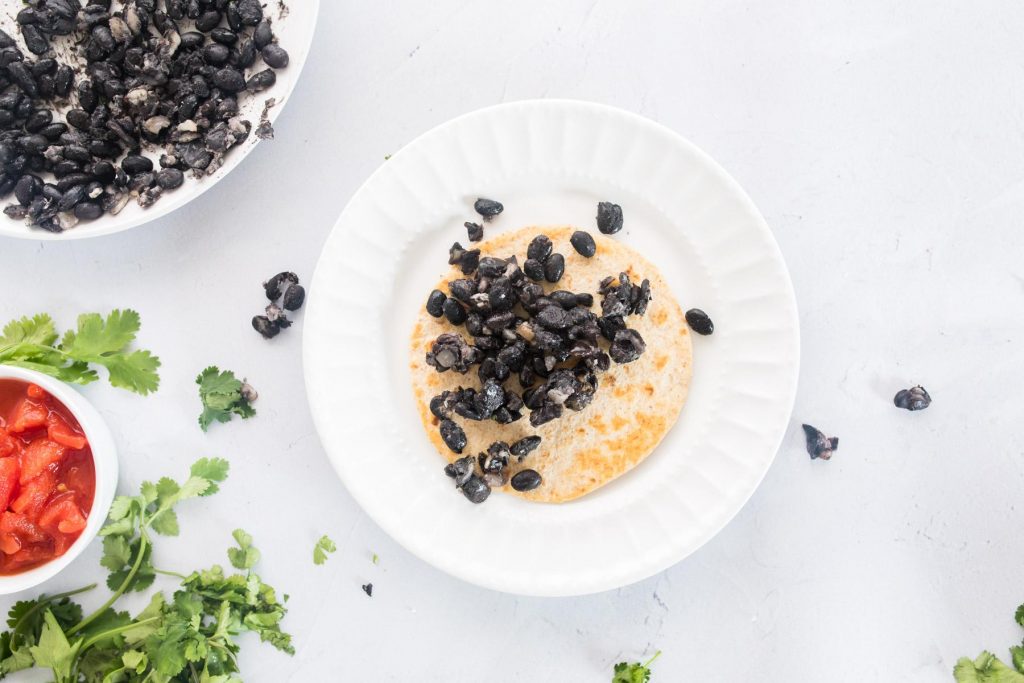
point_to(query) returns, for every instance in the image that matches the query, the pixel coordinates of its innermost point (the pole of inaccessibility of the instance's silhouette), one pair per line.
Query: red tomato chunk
(47, 477)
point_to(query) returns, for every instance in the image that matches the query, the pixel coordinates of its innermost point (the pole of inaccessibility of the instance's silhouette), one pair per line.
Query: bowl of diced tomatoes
(58, 474)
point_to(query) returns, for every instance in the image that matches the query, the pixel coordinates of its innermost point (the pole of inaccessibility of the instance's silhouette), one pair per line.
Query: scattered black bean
(368, 589)
(627, 346)
(275, 56)
(435, 303)
(699, 321)
(475, 231)
(476, 490)
(526, 480)
(262, 324)
(488, 208)
(819, 445)
(554, 268)
(274, 287)
(583, 243)
(609, 218)
(454, 311)
(525, 446)
(453, 435)
(534, 269)
(916, 398)
(170, 178)
(540, 248)
(293, 297)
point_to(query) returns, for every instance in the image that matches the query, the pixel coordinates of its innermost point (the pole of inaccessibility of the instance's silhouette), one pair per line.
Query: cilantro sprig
(32, 343)
(187, 639)
(323, 547)
(223, 395)
(635, 672)
(987, 668)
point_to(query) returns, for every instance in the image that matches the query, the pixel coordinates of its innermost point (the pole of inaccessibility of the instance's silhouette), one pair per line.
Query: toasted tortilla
(635, 405)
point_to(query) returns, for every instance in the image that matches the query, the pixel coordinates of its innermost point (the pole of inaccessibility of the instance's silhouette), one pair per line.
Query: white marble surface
(882, 142)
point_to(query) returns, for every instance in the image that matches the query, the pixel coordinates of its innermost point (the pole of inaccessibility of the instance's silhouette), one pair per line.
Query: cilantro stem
(165, 572)
(44, 601)
(115, 631)
(648, 662)
(143, 542)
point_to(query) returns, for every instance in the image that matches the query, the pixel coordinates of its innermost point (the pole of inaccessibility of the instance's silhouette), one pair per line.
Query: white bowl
(104, 454)
(294, 30)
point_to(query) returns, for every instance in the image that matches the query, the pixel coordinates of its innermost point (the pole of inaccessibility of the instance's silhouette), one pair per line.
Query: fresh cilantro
(634, 673)
(987, 668)
(322, 548)
(375, 559)
(32, 343)
(223, 395)
(188, 639)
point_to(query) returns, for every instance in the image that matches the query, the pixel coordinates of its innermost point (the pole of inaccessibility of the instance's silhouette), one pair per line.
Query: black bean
(491, 267)
(534, 269)
(261, 80)
(224, 36)
(461, 470)
(263, 35)
(500, 295)
(229, 80)
(819, 445)
(583, 243)
(453, 436)
(526, 480)
(553, 318)
(262, 324)
(540, 248)
(609, 218)
(208, 20)
(71, 198)
(546, 413)
(435, 303)
(275, 56)
(27, 187)
(135, 163)
(554, 268)
(40, 119)
(35, 41)
(250, 12)
(627, 346)
(216, 54)
(699, 321)
(454, 311)
(88, 211)
(170, 178)
(488, 208)
(913, 399)
(584, 299)
(293, 297)
(525, 446)
(190, 40)
(476, 490)
(563, 298)
(475, 231)
(22, 77)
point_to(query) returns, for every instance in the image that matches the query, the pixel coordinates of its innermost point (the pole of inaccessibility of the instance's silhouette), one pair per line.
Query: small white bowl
(104, 454)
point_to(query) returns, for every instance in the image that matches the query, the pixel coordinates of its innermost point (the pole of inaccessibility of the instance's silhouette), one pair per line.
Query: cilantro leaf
(213, 470)
(634, 673)
(30, 343)
(222, 396)
(985, 669)
(322, 548)
(245, 556)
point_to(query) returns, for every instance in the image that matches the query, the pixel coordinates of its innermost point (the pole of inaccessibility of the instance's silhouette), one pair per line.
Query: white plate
(550, 162)
(294, 29)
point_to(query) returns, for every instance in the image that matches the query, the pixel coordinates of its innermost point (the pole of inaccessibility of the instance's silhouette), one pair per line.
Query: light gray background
(883, 143)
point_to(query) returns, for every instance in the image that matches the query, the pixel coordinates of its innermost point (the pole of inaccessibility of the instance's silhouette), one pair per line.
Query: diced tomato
(9, 544)
(35, 391)
(28, 557)
(60, 431)
(38, 457)
(10, 469)
(22, 527)
(8, 444)
(29, 414)
(63, 515)
(33, 496)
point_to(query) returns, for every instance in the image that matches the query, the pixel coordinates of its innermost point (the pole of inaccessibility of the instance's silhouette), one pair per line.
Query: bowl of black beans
(116, 112)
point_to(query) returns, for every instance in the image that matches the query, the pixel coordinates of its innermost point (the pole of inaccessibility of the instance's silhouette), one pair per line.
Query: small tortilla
(634, 407)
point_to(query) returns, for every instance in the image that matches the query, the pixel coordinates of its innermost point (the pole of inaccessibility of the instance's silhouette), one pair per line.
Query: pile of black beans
(157, 76)
(493, 469)
(285, 294)
(551, 342)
